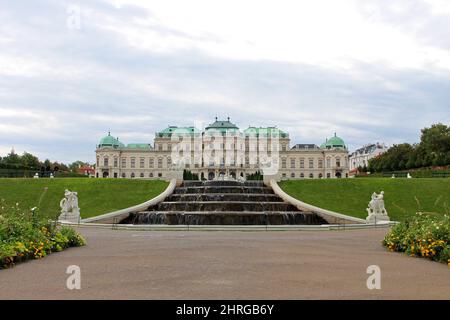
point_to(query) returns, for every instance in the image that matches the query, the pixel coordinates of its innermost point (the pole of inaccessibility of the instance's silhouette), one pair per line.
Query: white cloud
(328, 33)
(366, 69)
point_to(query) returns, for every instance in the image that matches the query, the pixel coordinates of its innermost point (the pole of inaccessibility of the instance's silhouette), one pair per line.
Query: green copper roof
(265, 132)
(177, 130)
(333, 142)
(222, 124)
(110, 141)
(139, 146)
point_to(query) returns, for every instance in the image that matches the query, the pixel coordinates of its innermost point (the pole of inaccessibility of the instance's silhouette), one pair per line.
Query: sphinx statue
(376, 209)
(69, 207)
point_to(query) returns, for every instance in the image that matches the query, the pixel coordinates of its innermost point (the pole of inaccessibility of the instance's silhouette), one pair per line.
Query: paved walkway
(228, 265)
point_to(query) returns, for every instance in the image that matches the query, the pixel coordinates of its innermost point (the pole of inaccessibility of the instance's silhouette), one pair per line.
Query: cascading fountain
(223, 203)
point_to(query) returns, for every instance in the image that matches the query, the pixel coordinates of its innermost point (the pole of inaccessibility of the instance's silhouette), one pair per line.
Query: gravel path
(228, 265)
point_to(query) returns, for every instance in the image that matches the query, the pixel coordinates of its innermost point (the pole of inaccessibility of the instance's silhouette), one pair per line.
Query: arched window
(302, 175)
(124, 175)
(141, 175)
(150, 175)
(320, 176)
(292, 175)
(132, 175)
(311, 176)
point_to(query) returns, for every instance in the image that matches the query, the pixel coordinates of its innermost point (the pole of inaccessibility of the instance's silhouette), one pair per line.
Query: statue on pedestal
(69, 207)
(376, 209)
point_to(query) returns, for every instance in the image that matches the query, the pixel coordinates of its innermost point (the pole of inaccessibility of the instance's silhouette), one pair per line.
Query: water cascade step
(223, 203)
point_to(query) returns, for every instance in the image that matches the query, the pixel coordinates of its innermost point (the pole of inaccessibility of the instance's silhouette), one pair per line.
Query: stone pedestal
(377, 218)
(73, 217)
(177, 174)
(268, 177)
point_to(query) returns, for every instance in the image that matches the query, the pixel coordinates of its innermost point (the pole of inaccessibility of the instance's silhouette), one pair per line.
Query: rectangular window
(160, 163)
(320, 163)
(116, 162)
(283, 163)
(142, 163)
(311, 163)
(293, 163)
(151, 162)
(133, 162)
(302, 163)
(106, 161)
(124, 162)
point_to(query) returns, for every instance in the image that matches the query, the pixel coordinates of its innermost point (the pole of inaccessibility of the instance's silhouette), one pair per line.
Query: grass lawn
(403, 197)
(95, 196)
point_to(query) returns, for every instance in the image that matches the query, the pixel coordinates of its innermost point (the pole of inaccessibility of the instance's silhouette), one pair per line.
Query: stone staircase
(223, 203)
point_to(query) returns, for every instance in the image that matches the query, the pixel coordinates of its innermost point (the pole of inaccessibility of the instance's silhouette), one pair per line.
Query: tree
(436, 139)
(12, 160)
(29, 161)
(433, 149)
(77, 164)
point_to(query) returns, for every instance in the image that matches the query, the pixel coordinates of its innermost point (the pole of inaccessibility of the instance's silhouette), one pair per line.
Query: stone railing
(113, 217)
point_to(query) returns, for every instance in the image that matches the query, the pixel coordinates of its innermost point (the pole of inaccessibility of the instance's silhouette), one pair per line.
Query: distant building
(221, 149)
(361, 157)
(86, 170)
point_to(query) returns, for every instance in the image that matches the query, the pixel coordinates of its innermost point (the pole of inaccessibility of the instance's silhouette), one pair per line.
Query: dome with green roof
(334, 142)
(110, 141)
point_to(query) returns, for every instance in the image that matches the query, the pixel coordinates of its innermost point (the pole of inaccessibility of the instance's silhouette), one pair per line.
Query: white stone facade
(361, 157)
(233, 153)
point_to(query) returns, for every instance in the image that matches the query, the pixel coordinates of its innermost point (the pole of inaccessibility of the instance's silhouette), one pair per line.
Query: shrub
(423, 235)
(23, 235)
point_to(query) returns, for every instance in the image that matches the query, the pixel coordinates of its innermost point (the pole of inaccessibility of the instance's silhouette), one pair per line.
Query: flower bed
(422, 235)
(23, 236)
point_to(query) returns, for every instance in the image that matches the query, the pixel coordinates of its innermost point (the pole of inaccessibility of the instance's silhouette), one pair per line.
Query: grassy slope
(351, 196)
(96, 196)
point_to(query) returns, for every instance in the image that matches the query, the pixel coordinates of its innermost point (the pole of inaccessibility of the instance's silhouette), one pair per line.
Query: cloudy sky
(70, 71)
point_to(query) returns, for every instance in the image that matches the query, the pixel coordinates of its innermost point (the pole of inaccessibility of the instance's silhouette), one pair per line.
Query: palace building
(221, 149)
